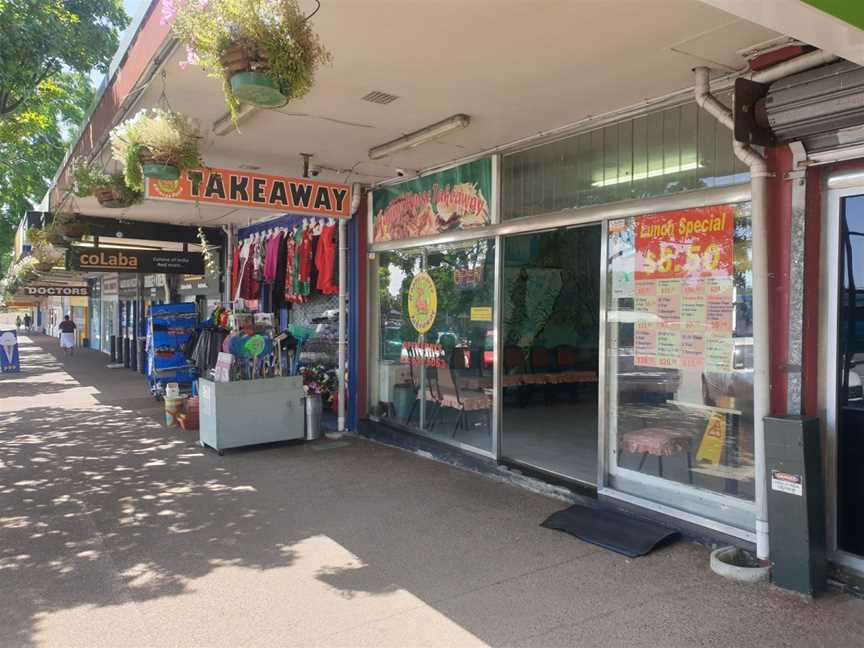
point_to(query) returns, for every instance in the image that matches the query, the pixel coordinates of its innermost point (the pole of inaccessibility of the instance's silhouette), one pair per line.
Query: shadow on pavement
(100, 507)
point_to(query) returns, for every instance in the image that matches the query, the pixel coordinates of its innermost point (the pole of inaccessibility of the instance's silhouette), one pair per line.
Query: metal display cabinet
(249, 412)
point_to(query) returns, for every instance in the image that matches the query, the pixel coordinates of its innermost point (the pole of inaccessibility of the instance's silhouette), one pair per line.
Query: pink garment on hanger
(272, 257)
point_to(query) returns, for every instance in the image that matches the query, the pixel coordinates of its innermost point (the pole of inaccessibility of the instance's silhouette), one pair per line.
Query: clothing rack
(287, 221)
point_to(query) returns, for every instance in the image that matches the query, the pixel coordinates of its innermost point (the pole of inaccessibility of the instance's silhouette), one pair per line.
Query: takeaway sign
(243, 189)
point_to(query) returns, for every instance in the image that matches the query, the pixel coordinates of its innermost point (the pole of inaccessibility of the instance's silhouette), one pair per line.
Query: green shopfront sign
(457, 198)
(850, 11)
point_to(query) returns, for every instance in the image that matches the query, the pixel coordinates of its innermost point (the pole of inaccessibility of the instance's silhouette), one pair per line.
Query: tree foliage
(33, 143)
(41, 39)
(47, 50)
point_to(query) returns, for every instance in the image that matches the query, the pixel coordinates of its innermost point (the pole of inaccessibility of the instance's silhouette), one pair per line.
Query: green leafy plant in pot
(265, 51)
(48, 256)
(110, 190)
(155, 143)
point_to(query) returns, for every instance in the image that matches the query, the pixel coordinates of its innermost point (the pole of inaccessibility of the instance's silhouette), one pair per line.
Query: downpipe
(343, 287)
(761, 326)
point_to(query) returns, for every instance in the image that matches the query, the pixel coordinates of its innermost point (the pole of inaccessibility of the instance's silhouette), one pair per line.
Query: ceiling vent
(383, 98)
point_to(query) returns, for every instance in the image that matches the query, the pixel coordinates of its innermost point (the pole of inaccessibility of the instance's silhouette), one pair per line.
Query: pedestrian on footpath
(67, 335)
(27, 321)
(18, 323)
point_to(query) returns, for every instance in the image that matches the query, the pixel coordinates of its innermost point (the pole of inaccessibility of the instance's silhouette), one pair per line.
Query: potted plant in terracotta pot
(110, 190)
(155, 143)
(265, 51)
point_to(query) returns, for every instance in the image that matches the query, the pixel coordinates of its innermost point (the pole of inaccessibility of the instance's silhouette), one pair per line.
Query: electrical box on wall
(796, 504)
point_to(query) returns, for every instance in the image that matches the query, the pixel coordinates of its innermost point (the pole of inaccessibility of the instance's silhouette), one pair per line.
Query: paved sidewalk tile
(115, 531)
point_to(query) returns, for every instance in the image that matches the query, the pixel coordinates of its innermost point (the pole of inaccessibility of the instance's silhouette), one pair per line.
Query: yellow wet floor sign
(711, 448)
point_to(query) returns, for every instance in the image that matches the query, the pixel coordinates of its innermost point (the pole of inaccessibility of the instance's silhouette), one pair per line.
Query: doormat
(611, 530)
(331, 445)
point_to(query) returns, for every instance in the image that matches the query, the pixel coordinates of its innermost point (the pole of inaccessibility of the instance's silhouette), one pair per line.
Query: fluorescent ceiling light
(422, 136)
(656, 173)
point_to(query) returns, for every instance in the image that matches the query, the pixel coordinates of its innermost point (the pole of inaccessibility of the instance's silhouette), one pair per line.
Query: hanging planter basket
(246, 71)
(112, 197)
(159, 167)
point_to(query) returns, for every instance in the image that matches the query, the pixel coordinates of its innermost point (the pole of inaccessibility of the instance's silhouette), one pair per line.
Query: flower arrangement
(110, 190)
(47, 255)
(155, 143)
(265, 51)
(20, 273)
(317, 380)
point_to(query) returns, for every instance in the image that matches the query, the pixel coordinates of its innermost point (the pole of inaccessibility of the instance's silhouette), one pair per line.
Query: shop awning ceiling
(517, 68)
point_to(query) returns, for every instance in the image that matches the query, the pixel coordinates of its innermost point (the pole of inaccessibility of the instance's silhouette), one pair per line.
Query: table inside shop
(518, 380)
(729, 469)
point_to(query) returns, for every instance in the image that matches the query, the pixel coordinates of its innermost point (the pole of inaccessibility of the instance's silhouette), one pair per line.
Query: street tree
(41, 39)
(48, 49)
(33, 143)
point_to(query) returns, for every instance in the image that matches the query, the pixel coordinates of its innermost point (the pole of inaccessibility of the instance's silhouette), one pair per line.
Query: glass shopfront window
(680, 360)
(435, 345)
(667, 151)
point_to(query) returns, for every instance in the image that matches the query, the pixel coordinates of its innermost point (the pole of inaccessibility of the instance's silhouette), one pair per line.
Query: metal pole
(343, 288)
(228, 259)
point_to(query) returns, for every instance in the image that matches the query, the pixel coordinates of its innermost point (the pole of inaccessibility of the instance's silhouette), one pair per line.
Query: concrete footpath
(115, 531)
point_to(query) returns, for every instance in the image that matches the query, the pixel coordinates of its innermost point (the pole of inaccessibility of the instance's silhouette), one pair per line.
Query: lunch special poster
(684, 291)
(456, 198)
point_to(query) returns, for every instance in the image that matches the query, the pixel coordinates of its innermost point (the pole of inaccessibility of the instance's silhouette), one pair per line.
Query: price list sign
(684, 293)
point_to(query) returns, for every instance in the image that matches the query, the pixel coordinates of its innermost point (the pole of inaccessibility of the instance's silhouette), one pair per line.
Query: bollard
(127, 359)
(113, 349)
(142, 357)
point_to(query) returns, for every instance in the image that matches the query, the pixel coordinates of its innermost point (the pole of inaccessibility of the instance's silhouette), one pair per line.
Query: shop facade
(580, 310)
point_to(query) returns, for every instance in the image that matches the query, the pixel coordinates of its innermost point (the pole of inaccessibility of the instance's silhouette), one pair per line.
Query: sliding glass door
(549, 352)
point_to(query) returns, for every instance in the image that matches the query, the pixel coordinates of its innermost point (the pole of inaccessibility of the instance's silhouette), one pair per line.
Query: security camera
(314, 171)
(401, 173)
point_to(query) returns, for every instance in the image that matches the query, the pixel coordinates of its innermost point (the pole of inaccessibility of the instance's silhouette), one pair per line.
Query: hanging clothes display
(279, 277)
(291, 265)
(325, 260)
(305, 269)
(235, 270)
(249, 286)
(271, 257)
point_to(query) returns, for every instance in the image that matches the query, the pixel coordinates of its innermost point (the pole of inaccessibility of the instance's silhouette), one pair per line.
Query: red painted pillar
(779, 160)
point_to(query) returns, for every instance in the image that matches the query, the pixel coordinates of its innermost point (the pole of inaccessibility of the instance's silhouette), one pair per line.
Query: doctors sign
(122, 260)
(244, 189)
(56, 291)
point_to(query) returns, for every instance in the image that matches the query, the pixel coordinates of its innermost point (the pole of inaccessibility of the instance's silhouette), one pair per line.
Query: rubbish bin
(313, 417)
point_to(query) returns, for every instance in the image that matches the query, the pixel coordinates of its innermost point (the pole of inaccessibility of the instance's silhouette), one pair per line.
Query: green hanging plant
(110, 190)
(155, 143)
(265, 51)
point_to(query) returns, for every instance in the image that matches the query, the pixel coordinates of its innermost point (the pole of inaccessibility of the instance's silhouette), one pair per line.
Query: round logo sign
(422, 302)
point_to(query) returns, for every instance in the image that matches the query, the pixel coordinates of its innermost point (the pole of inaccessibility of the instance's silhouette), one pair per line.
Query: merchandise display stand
(169, 328)
(250, 412)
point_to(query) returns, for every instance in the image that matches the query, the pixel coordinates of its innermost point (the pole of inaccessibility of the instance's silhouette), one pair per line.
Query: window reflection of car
(391, 342)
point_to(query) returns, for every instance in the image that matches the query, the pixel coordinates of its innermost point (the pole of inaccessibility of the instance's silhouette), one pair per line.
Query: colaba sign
(243, 189)
(121, 260)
